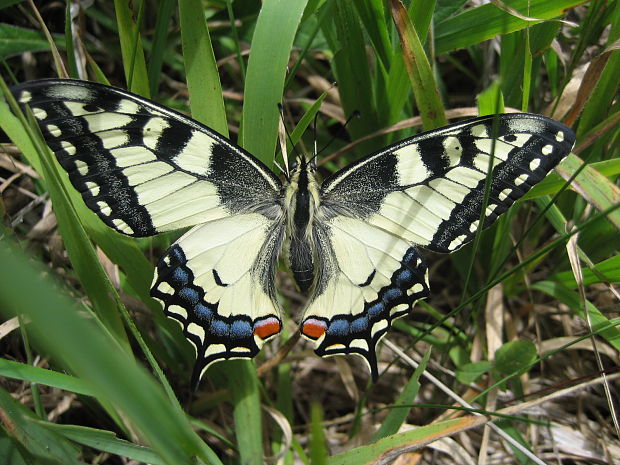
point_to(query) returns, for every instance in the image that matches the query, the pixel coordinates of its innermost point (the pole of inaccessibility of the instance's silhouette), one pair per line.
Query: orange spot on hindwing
(267, 328)
(313, 328)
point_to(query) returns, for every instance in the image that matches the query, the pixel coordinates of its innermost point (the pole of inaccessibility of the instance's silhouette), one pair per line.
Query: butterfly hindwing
(217, 281)
(142, 168)
(367, 278)
(429, 189)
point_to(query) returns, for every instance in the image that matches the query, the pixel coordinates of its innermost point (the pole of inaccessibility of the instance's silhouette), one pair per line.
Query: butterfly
(351, 242)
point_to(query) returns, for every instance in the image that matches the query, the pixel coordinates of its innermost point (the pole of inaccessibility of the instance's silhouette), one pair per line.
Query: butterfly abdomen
(302, 200)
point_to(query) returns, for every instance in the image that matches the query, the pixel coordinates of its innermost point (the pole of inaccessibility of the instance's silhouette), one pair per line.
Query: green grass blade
(158, 48)
(596, 188)
(131, 49)
(32, 374)
(400, 409)
(398, 86)
(271, 46)
(105, 441)
(574, 302)
(419, 69)
(352, 71)
(487, 21)
(372, 16)
(318, 448)
(243, 386)
(39, 443)
(203, 80)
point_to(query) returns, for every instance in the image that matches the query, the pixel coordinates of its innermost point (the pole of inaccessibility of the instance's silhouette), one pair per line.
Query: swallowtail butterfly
(350, 241)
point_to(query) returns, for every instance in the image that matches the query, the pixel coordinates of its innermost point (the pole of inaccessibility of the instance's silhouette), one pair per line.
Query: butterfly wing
(427, 190)
(143, 168)
(367, 277)
(217, 281)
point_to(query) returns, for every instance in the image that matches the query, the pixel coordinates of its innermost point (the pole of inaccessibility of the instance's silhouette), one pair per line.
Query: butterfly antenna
(316, 115)
(355, 114)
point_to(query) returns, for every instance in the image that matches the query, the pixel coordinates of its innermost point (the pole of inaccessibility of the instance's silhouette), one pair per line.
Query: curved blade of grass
(96, 358)
(42, 445)
(131, 49)
(352, 70)
(419, 69)
(371, 13)
(592, 186)
(607, 271)
(572, 300)
(318, 448)
(398, 86)
(203, 80)
(160, 35)
(17, 40)
(32, 374)
(401, 408)
(244, 391)
(105, 441)
(390, 447)
(71, 62)
(273, 37)
(487, 21)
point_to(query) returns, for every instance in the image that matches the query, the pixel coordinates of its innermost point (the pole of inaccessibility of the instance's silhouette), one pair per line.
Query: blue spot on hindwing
(339, 327)
(177, 257)
(359, 324)
(241, 329)
(203, 312)
(179, 278)
(189, 296)
(404, 278)
(376, 309)
(220, 328)
(391, 295)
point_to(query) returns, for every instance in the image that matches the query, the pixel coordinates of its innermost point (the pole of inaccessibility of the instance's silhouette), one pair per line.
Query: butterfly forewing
(142, 168)
(429, 189)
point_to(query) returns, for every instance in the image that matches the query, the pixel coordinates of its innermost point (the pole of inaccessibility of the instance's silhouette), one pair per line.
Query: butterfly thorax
(301, 200)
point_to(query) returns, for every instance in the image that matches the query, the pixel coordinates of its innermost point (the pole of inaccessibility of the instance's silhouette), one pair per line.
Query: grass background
(522, 326)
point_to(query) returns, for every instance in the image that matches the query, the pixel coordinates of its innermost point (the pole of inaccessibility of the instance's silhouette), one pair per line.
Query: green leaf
(471, 372)
(17, 40)
(574, 302)
(421, 75)
(131, 49)
(515, 356)
(96, 358)
(32, 374)
(105, 441)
